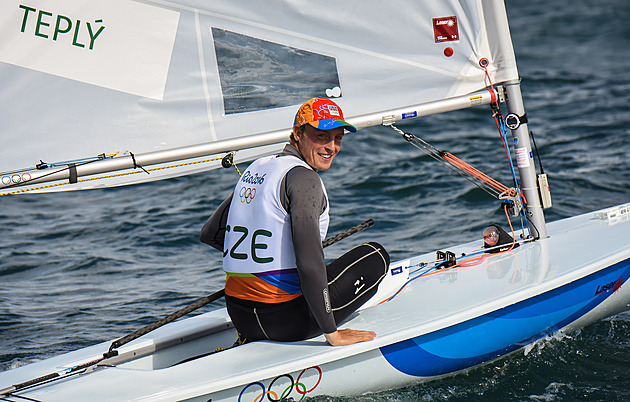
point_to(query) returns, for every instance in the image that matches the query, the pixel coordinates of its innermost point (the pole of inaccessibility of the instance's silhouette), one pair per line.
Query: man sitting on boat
(270, 230)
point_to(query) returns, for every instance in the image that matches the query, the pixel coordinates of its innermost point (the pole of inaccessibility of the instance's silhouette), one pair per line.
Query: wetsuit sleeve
(213, 232)
(306, 202)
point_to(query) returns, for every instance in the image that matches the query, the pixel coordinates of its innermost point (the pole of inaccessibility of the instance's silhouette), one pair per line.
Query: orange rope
(501, 188)
(481, 258)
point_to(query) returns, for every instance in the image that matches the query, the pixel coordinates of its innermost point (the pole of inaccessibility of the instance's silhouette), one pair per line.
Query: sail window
(257, 74)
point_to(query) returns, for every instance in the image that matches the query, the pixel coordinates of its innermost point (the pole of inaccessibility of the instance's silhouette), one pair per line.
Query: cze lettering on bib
(254, 241)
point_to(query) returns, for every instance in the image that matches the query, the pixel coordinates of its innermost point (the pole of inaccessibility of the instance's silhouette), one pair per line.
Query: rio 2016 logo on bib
(255, 179)
(247, 194)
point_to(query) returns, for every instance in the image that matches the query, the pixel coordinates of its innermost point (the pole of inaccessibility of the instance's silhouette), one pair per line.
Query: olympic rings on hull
(273, 396)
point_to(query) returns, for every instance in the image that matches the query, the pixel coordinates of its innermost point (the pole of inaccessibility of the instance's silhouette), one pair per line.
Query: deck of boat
(436, 325)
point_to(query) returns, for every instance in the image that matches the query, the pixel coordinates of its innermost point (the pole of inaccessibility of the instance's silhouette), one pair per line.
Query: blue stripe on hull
(502, 331)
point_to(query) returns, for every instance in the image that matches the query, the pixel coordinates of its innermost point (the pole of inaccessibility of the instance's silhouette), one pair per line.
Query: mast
(516, 120)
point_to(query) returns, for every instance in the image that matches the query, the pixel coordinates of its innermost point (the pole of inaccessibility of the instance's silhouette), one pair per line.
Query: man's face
(319, 147)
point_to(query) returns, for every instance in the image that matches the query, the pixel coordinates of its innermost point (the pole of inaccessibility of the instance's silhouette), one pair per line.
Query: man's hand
(347, 336)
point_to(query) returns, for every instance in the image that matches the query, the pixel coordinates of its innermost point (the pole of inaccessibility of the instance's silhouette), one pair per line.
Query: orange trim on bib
(255, 289)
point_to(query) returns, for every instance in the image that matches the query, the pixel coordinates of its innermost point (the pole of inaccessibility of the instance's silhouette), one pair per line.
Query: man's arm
(213, 232)
(305, 204)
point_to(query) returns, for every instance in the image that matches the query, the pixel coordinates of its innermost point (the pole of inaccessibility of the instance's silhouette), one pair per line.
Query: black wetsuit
(348, 282)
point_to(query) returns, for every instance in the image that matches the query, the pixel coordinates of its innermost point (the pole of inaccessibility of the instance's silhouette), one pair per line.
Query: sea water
(80, 268)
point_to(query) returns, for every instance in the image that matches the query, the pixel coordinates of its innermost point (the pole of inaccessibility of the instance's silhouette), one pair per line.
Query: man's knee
(355, 276)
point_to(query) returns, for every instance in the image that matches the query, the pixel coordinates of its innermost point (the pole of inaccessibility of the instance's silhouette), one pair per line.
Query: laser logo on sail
(445, 29)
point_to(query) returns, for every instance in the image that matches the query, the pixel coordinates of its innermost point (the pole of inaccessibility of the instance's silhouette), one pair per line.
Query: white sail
(92, 83)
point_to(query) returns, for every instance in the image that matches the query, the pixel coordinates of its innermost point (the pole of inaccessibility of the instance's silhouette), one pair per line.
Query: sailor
(270, 230)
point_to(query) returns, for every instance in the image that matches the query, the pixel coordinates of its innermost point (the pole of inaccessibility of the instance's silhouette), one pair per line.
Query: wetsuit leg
(354, 277)
(285, 322)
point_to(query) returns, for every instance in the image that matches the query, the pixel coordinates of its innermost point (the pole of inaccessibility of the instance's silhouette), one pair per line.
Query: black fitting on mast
(514, 121)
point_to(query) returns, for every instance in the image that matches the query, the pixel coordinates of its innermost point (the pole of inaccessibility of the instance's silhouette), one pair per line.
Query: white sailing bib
(258, 233)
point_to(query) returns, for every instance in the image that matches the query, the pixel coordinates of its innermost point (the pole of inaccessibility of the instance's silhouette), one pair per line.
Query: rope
(148, 328)
(491, 186)
(531, 134)
(238, 171)
(466, 263)
(112, 175)
(501, 188)
(216, 295)
(135, 165)
(478, 178)
(349, 232)
(500, 121)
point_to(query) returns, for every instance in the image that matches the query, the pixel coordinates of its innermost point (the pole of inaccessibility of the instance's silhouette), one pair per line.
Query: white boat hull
(436, 326)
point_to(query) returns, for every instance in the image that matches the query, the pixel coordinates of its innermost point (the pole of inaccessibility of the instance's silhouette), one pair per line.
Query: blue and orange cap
(322, 114)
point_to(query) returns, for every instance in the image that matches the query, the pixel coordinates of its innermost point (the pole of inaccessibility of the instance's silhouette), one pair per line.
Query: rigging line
(407, 283)
(43, 165)
(150, 169)
(25, 190)
(468, 262)
(228, 161)
(503, 132)
(108, 176)
(529, 221)
(13, 396)
(498, 118)
(112, 352)
(238, 171)
(459, 171)
(531, 134)
(424, 146)
(500, 121)
(479, 174)
(440, 157)
(72, 371)
(477, 260)
(409, 136)
(68, 167)
(135, 165)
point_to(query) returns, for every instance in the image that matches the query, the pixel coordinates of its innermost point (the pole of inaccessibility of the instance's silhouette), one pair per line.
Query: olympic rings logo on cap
(247, 194)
